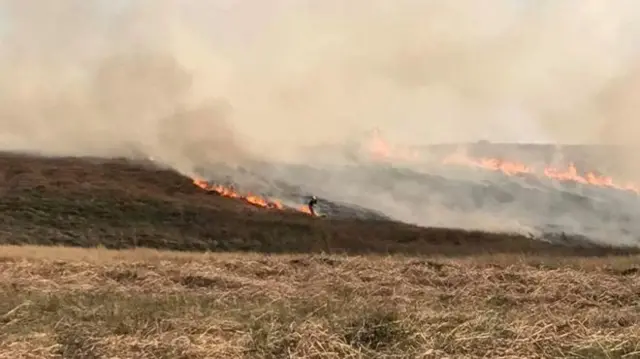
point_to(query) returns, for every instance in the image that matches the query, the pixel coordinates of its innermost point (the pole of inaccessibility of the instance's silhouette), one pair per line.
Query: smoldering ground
(195, 84)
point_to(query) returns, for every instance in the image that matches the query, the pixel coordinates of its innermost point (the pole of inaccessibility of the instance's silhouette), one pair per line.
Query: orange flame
(380, 149)
(378, 146)
(494, 164)
(590, 178)
(250, 198)
(510, 168)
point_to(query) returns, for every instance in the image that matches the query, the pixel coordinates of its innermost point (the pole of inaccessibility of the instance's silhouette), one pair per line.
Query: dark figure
(312, 202)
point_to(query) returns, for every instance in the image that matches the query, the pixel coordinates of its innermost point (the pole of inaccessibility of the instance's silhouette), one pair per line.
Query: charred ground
(119, 204)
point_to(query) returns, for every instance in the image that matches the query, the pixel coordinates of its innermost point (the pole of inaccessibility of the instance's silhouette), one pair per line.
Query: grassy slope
(504, 301)
(119, 205)
(95, 303)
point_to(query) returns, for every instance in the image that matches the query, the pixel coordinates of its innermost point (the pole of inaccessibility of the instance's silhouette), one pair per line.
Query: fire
(494, 164)
(380, 149)
(590, 178)
(378, 146)
(569, 174)
(250, 198)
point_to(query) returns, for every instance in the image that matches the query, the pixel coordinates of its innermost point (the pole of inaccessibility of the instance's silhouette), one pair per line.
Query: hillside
(510, 296)
(120, 204)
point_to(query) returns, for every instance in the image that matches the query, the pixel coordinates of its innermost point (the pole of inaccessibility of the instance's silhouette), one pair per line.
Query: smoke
(194, 84)
(88, 78)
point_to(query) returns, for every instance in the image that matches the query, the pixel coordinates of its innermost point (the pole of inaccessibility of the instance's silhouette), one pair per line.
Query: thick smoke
(195, 84)
(88, 78)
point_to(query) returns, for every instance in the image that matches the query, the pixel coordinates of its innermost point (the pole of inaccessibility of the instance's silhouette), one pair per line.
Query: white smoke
(199, 83)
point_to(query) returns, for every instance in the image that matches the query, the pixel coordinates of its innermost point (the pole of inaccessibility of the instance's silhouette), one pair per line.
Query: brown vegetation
(117, 204)
(93, 303)
(514, 297)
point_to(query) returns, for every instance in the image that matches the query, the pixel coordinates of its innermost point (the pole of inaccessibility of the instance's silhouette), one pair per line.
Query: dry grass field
(112, 260)
(98, 303)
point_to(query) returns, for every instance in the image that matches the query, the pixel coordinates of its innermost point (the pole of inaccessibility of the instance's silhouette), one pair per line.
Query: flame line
(570, 174)
(249, 198)
(380, 149)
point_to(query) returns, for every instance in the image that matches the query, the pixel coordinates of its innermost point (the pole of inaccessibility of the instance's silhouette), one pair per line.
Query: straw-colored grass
(97, 303)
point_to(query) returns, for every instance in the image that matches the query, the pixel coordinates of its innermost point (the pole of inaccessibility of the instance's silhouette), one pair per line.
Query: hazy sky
(422, 70)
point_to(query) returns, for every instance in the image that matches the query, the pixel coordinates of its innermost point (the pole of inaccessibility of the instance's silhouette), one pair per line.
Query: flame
(304, 209)
(494, 164)
(569, 174)
(380, 149)
(590, 178)
(250, 198)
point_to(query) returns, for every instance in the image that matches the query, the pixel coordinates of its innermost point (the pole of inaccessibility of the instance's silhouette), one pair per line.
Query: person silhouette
(312, 202)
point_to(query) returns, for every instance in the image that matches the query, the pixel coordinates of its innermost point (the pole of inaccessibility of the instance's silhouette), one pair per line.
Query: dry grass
(515, 297)
(98, 303)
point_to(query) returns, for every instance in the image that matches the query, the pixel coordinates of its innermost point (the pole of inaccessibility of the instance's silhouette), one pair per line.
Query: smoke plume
(194, 84)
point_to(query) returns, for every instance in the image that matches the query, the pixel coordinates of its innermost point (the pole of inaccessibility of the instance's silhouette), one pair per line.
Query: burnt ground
(119, 204)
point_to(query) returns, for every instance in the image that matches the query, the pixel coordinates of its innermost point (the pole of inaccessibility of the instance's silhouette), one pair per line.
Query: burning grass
(92, 303)
(118, 204)
(379, 149)
(95, 303)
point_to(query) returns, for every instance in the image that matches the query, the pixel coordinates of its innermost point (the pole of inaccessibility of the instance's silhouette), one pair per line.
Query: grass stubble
(141, 303)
